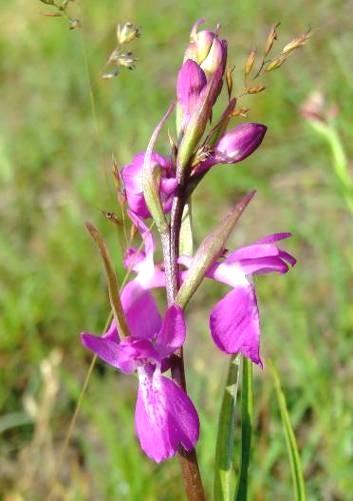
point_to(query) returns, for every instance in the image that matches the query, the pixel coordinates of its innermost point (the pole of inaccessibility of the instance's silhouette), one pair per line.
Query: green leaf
(150, 178)
(294, 458)
(224, 469)
(246, 429)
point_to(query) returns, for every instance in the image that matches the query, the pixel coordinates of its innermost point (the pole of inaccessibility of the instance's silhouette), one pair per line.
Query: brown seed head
(249, 64)
(272, 36)
(255, 90)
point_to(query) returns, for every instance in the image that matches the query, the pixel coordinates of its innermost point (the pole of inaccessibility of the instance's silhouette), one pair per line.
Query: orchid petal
(234, 323)
(141, 311)
(132, 352)
(169, 185)
(145, 233)
(287, 257)
(165, 417)
(191, 80)
(253, 251)
(173, 332)
(112, 333)
(132, 176)
(260, 266)
(275, 237)
(105, 349)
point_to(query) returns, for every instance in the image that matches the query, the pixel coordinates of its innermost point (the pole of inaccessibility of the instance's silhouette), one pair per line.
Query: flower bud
(202, 72)
(196, 126)
(234, 146)
(200, 43)
(191, 80)
(216, 57)
(240, 142)
(206, 49)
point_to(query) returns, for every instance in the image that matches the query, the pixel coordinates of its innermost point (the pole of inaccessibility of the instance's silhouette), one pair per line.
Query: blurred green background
(60, 123)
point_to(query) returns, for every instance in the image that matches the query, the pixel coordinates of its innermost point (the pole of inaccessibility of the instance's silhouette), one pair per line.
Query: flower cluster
(166, 419)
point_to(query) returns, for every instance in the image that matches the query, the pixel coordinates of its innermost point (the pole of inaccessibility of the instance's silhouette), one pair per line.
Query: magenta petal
(275, 237)
(133, 259)
(234, 323)
(141, 311)
(173, 332)
(145, 233)
(165, 417)
(287, 257)
(112, 333)
(253, 251)
(261, 266)
(191, 80)
(105, 349)
(240, 142)
(169, 185)
(132, 352)
(131, 175)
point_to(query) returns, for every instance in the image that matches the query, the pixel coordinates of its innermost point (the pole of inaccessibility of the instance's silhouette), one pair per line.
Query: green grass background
(57, 135)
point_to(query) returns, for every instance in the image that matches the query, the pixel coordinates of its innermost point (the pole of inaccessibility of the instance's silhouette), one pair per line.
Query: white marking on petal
(231, 274)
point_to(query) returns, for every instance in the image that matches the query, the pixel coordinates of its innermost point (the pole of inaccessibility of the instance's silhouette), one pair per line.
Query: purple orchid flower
(165, 417)
(132, 178)
(234, 146)
(234, 320)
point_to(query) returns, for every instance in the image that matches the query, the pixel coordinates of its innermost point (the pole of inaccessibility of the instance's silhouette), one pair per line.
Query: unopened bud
(272, 36)
(200, 44)
(240, 142)
(127, 33)
(250, 62)
(197, 124)
(216, 57)
(206, 49)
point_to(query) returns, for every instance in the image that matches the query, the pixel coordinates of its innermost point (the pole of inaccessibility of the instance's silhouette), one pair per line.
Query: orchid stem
(170, 246)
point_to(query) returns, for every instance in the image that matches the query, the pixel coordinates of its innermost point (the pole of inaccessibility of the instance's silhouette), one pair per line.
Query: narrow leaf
(151, 178)
(292, 447)
(113, 288)
(210, 249)
(224, 470)
(246, 430)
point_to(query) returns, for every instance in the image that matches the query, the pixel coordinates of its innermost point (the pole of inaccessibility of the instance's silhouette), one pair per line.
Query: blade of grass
(224, 470)
(293, 453)
(241, 492)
